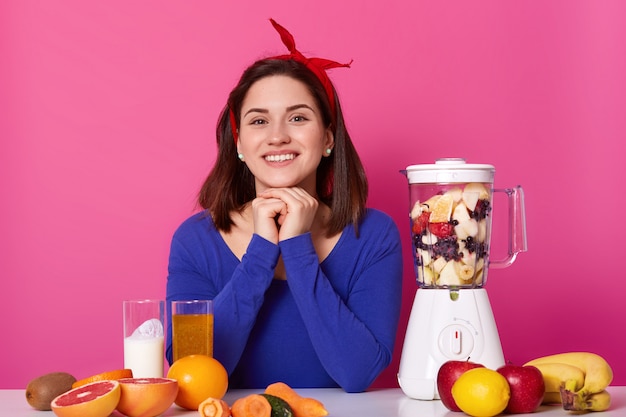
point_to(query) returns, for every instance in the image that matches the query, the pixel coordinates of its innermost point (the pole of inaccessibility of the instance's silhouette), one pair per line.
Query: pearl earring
(328, 151)
(240, 156)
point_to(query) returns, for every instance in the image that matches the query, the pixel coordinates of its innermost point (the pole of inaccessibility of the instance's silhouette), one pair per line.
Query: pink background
(107, 121)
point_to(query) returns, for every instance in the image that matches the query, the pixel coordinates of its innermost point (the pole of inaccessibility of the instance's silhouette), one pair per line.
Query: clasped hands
(283, 213)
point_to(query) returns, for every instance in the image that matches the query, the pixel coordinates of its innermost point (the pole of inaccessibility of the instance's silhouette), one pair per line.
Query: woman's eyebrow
(290, 108)
(299, 106)
(256, 110)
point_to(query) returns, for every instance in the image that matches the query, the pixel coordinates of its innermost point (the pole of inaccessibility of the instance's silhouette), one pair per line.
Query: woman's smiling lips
(280, 157)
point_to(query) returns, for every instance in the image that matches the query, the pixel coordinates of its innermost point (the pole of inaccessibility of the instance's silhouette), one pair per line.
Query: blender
(451, 205)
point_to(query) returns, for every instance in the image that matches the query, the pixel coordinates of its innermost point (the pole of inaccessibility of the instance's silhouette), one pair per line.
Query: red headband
(316, 65)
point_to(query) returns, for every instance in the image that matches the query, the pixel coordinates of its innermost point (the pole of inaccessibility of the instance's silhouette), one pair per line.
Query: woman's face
(281, 135)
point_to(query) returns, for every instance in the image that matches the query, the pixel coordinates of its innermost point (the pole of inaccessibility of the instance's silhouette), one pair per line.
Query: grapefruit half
(146, 397)
(97, 399)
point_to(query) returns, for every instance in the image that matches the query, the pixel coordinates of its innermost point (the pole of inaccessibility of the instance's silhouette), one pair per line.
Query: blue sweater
(329, 324)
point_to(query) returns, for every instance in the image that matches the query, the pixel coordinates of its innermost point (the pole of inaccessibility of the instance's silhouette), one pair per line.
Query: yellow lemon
(481, 392)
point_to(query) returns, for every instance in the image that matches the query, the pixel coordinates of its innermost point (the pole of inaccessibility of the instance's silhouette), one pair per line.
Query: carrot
(301, 406)
(253, 405)
(214, 407)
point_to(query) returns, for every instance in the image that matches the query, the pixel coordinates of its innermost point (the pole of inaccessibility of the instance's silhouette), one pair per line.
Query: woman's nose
(279, 134)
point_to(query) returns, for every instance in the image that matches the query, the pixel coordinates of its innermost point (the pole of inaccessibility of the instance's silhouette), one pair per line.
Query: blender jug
(451, 205)
(450, 213)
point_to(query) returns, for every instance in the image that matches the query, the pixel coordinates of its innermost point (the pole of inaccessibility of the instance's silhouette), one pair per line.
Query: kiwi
(42, 390)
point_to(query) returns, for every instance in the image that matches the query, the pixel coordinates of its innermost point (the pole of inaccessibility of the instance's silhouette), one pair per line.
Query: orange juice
(192, 334)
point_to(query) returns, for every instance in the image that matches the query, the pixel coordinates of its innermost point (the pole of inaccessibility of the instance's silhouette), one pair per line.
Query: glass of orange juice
(192, 328)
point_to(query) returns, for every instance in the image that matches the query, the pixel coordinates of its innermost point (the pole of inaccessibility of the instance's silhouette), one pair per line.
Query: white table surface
(376, 403)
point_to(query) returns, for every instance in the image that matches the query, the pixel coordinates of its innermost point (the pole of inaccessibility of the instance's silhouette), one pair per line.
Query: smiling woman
(283, 142)
(306, 281)
(103, 139)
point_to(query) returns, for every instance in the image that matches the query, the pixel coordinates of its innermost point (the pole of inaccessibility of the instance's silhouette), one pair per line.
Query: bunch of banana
(577, 380)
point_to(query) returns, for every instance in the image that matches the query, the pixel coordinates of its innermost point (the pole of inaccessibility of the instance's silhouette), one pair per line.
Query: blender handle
(517, 227)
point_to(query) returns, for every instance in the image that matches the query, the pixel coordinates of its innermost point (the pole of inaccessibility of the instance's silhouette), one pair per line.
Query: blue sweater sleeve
(354, 331)
(200, 268)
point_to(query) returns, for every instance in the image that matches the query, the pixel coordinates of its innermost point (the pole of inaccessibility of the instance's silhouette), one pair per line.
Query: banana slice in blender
(466, 272)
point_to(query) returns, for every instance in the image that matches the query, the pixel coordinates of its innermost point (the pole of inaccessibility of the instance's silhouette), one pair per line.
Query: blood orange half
(146, 397)
(97, 399)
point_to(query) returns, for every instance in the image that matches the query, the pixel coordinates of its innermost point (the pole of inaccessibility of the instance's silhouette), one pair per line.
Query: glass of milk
(143, 337)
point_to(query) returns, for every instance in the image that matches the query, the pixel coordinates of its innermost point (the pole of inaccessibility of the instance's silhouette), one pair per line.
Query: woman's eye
(298, 118)
(257, 122)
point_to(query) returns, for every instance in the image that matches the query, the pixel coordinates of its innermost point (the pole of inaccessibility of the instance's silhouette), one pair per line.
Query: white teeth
(279, 158)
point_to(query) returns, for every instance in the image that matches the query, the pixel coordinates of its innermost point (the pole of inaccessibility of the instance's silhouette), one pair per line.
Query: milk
(144, 355)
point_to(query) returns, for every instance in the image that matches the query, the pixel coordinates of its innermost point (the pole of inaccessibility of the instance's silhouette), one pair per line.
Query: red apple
(448, 373)
(527, 388)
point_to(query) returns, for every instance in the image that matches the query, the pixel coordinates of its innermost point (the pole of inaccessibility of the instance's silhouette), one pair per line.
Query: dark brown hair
(341, 181)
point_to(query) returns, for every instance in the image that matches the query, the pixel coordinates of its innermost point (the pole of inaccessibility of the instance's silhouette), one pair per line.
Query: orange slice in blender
(442, 209)
(430, 203)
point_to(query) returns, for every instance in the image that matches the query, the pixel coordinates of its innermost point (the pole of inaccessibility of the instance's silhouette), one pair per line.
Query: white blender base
(440, 330)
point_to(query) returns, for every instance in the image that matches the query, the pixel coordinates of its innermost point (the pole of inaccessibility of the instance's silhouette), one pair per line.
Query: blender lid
(450, 170)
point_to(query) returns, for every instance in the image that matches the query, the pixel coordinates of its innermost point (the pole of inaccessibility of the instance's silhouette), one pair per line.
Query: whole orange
(199, 377)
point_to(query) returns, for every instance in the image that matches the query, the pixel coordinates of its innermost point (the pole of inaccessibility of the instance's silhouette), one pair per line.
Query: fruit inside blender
(450, 226)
